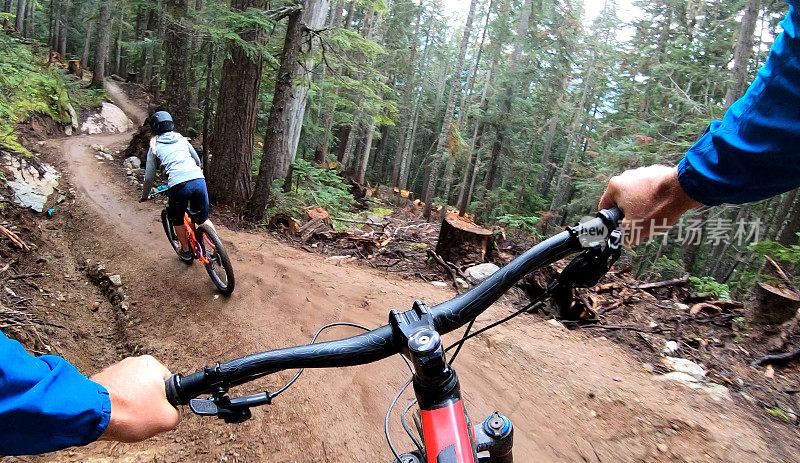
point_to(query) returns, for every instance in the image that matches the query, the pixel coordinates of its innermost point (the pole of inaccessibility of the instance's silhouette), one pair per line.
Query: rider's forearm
(149, 175)
(753, 153)
(46, 404)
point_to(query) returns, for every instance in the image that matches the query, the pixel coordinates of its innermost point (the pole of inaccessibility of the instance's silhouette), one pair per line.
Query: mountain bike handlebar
(380, 343)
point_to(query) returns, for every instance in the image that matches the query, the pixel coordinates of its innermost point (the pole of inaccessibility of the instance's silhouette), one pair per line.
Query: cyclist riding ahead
(185, 180)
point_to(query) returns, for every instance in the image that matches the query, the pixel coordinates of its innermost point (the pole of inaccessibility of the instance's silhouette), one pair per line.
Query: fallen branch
(604, 310)
(441, 262)
(14, 238)
(777, 358)
(617, 327)
(23, 276)
(663, 284)
(365, 222)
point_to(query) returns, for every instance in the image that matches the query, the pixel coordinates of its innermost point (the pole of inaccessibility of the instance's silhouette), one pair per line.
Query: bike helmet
(161, 122)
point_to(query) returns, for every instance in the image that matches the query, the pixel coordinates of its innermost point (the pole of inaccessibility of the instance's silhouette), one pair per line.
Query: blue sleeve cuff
(103, 411)
(691, 182)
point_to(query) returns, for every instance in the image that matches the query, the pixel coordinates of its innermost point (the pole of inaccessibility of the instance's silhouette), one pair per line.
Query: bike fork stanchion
(496, 436)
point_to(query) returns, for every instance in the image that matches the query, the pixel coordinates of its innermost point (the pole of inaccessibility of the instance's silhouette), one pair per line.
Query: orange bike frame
(193, 243)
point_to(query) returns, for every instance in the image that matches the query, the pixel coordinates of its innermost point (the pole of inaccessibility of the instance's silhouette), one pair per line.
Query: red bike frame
(448, 435)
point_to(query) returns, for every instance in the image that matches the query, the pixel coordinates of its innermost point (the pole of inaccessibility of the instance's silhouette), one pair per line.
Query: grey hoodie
(177, 159)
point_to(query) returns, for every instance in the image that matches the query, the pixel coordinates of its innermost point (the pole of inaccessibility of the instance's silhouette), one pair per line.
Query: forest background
(516, 112)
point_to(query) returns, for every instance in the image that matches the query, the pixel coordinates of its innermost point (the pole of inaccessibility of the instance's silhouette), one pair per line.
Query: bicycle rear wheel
(219, 267)
(173, 240)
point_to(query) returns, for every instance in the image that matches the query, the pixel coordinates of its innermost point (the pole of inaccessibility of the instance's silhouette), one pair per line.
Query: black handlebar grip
(171, 389)
(612, 216)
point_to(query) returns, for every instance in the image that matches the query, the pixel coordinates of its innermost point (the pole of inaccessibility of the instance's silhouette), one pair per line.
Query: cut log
(774, 302)
(139, 144)
(770, 304)
(314, 228)
(284, 223)
(461, 240)
(74, 67)
(317, 213)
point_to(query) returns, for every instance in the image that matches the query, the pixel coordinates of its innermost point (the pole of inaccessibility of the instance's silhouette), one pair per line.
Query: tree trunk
(18, 22)
(207, 107)
(447, 121)
(742, 53)
(408, 93)
(573, 136)
(690, 249)
(549, 169)
(53, 16)
(463, 106)
(787, 235)
(348, 147)
(321, 151)
(87, 37)
(103, 33)
(150, 26)
(231, 143)
(28, 26)
(468, 182)
(510, 89)
(118, 51)
(7, 6)
(313, 17)
(158, 55)
(408, 154)
(379, 160)
(176, 62)
(363, 162)
(277, 124)
(448, 179)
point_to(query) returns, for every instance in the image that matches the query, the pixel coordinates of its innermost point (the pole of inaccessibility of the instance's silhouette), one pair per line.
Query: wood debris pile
(398, 242)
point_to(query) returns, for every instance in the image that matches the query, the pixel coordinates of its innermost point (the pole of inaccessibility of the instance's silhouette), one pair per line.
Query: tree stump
(284, 223)
(74, 67)
(139, 144)
(463, 241)
(774, 302)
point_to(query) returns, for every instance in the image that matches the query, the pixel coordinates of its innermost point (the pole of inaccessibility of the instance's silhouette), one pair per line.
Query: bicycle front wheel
(219, 267)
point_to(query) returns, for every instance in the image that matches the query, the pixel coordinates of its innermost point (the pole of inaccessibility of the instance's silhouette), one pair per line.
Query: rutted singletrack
(571, 397)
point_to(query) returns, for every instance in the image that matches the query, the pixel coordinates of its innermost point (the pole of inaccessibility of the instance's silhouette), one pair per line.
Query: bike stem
(447, 432)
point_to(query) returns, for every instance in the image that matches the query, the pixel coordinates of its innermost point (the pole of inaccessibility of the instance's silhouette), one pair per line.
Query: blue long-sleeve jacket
(754, 152)
(46, 404)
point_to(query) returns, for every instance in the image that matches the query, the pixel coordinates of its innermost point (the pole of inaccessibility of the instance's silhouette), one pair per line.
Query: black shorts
(188, 196)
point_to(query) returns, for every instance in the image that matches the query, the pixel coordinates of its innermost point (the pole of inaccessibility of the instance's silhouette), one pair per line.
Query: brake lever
(586, 269)
(231, 410)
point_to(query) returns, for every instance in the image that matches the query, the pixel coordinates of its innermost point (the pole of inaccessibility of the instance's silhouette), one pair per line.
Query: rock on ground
(31, 187)
(480, 272)
(132, 163)
(110, 119)
(685, 366)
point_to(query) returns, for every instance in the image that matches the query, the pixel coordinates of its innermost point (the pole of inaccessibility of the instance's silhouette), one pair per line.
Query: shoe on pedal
(186, 256)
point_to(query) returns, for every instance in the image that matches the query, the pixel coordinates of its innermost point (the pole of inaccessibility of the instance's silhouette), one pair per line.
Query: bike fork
(495, 435)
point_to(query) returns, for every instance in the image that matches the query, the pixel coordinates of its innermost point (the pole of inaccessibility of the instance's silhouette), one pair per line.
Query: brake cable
(313, 340)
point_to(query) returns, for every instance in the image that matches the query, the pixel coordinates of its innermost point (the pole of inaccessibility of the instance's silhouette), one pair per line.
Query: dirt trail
(571, 397)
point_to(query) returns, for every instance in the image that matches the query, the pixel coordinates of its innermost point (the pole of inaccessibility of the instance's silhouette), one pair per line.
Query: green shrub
(777, 251)
(708, 286)
(28, 87)
(311, 187)
(525, 223)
